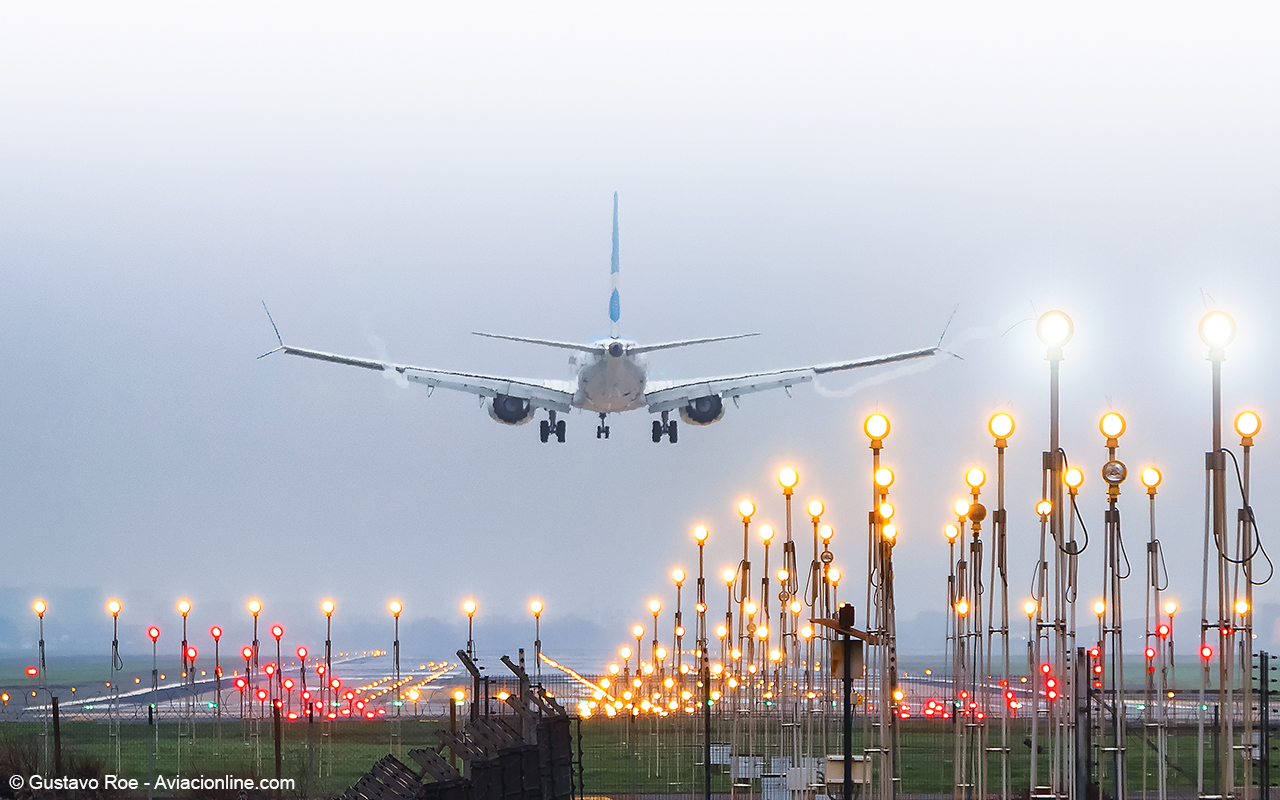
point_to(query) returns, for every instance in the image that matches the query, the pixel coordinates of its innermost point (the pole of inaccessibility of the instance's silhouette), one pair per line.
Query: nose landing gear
(603, 430)
(666, 428)
(549, 426)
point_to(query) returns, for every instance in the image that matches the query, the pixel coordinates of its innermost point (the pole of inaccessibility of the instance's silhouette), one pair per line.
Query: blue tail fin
(615, 308)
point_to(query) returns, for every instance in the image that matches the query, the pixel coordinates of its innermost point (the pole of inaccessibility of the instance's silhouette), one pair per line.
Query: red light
(240, 684)
(360, 704)
(346, 712)
(306, 695)
(349, 696)
(247, 653)
(1097, 684)
(191, 654)
(277, 632)
(1097, 669)
(335, 683)
(383, 711)
(1206, 652)
(217, 671)
(319, 669)
(1045, 668)
(32, 671)
(368, 715)
(302, 653)
(154, 633)
(270, 669)
(288, 683)
(1163, 631)
(1150, 653)
(262, 694)
(1053, 695)
(293, 715)
(964, 695)
(1094, 652)
(1226, 630)
(215, 632)
(334, 714)
(1051, 683)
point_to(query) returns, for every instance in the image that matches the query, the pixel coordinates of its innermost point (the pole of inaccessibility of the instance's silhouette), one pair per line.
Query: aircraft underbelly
(610, 385)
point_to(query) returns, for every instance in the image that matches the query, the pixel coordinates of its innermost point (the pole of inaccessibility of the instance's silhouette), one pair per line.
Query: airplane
(612, 377)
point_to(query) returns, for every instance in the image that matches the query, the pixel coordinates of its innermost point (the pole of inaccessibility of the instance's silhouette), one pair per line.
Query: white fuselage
(611, 382)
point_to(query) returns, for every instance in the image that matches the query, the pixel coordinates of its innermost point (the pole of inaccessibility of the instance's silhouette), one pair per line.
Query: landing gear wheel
(602, 430)
(671, 431)
(560, 431)
(544, 431)
(657, 431)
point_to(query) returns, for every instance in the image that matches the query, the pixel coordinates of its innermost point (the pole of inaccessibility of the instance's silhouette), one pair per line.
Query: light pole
(1001, 428)
(277, 631)
(117, 665)
(327, 607)
(1247, 425)
(255, 608)
(536, 607)
(154, 633)
(395, 607)
(1152, 646)
(655, 606)
(469, 608)
(216, 633)
(700, 535)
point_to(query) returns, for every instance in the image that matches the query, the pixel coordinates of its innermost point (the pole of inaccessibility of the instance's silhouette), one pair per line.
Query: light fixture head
(1114, 472)
(254, 607)
(833, 575)
(1112, 425)
(1099, 608)
(637, 631)
(1242, 606)
(327, 607)
(395, 607)
(700, 534)
(1055, 328)
(1217, 329)
(625, 652)
(1073, 478)
(114, 608)
(678, 576)
(729, 575)
(655, 606)
(975, 478)
(890, 532)
(825, 533)
(184, 607)
(961, 507)
(815, 509)
(1030, 608)
(1171, 608)
(876, 427)
(746, 509)
(1151, 477)
(1001, 425)
(951, 531)
(962, 606)
(536, 607)
(884, 477)
(886, 511)
(1248, 424)
(39, 607)
(469, 607)
(788, 478)
(1044, 508)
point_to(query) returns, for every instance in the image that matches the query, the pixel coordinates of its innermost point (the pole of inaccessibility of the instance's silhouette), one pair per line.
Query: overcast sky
(389, 178)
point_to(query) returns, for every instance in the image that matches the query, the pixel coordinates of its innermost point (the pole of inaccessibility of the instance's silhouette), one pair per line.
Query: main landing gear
(549, 426)
(603, 430)
(666, 428)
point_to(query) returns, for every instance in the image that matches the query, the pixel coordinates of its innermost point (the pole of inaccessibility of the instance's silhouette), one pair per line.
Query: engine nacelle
(510, 410)
(703, 410)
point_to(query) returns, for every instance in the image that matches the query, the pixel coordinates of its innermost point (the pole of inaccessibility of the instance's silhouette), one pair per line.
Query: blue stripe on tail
(615, 307)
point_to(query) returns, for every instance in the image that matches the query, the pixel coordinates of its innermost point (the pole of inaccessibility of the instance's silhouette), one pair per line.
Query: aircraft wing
(552, 394)
(670, 395)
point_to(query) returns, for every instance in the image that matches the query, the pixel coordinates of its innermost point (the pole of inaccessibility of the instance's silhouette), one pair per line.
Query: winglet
(274, 328)
(615, 308)
(945, 328)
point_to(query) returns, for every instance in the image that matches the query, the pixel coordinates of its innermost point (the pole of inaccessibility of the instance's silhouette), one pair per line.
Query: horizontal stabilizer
(648, 348)
(585, 348)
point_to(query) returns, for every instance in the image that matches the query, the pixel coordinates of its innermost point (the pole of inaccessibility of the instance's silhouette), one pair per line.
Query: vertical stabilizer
(615, 309)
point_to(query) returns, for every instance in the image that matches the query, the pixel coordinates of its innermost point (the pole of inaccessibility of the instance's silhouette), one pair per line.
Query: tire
(560, 431)
(671, 431)
(657, 431)
(544, 431)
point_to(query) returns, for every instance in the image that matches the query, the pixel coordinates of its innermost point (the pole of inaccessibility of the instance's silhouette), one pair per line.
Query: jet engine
(703, 410)
(511, 410)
